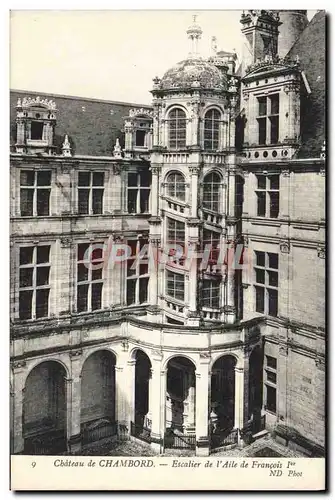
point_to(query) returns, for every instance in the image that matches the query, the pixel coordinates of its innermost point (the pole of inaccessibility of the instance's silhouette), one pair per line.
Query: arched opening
(223, 400)
(256, 389)
(212, 129)
(44, 410)
(211, 192)
(97, 415)
(177, 128)
(175, 185)
(142, 390)
(180, 403)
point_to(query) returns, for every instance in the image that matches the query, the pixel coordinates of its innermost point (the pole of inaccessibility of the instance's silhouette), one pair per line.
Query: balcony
(267, 153)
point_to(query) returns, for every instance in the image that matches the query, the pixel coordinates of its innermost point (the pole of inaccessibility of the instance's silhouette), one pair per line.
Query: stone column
(241, 396)
(191, 402)
(203, 381)
(163, 394)
(17, 398)
(284, 194)
(154, 190)
(194, 173)
(73, 404)
(282, 369)
(156, 386)
(125, 390)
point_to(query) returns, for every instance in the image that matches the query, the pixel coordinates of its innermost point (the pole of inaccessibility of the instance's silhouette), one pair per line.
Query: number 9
(33, 464)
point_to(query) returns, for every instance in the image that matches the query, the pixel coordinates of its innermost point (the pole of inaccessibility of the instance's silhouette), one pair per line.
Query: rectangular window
(34, 286)
(267, 193)
(35, 189)
(90, 192)
(211, 244)
(137, 272)
(89, 276)
(268, 119)
(140, 138)
(36, 131)
(271, 383)
(266, 283)
(211, 294)
(138, 192)
(271, 398)
(175, 285)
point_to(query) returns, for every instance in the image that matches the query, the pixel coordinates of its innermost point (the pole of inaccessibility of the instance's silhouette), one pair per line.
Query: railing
(140, 432)
(224, 437)
(51, 443)
(179, 441)
(97, 430)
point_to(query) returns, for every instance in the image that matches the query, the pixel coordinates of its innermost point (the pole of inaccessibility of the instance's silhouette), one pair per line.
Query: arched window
(177, 129)
(175, 183)
(211, 129)
(211, 187)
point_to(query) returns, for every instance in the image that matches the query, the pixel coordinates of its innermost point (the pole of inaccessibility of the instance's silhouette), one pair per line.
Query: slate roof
(311, 49)
(91, 124)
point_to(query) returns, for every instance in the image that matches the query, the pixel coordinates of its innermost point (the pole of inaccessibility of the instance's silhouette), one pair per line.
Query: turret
(293, 24)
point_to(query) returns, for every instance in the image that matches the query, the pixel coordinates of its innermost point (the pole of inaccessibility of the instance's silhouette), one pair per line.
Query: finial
(214, 45)
(19, 104)
(117, 153)
(194, 32)
(66, 147)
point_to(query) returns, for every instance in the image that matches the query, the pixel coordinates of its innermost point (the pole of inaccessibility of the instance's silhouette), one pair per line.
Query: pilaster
(203, 391)
(17, 399)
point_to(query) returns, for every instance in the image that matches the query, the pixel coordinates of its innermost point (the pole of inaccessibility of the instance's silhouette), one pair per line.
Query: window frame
(171, 275)
(89, 282)
(212, 202)
(36, 189)
(34, 287)
(270, 385)
(90, 188)
(139, 189)
(266, 117)
(213, 130)
(265, 288)
(214, 286)
(266, 194)
(176, 186)
(180, 140)
(138, 277)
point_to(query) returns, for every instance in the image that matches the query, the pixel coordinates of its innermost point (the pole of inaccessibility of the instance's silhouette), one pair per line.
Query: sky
(108, 54)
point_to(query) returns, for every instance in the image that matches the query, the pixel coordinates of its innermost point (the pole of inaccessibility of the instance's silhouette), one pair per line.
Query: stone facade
(164, 348)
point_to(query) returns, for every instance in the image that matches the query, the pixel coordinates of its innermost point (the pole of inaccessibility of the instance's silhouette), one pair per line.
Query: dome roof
(186, 73)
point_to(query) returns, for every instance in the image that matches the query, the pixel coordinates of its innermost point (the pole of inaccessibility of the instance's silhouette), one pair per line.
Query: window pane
(259, 299)
(144, 200)
(131, 267)
(271, 397)
(261, 106)
(97, 251)
(96, 296)
(274, 181)
(274, 122)
(261, 181)
(43, 254)
(271, 362)
(274, 100)
(132, 201)
(84, 178)
(26, 202)
(261, 203)
(132, 180)
(140, 137)
(26, 277)
(96, 274)
(83, 198)
(83, 253)
(145, 178)
(131, 288)
(27, 177)
(36, 131)
(272, 278)
(261, 130)
(273, 260)
(274, 204)
(25, 304)
(44, 178)
(98, 178)
(271, 377)
(273, 301)
(42, 275)
(143, 290)
(82, 292)
(26, 255)
(260, 276)
(82, 272)
(42, 303)
(43, 198)
(260, 259)
(97, 201)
